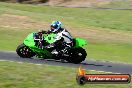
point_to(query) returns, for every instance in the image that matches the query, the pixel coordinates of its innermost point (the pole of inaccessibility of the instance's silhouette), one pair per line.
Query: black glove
(44, 32)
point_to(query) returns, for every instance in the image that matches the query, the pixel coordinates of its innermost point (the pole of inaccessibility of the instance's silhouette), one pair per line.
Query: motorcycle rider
(63, 40)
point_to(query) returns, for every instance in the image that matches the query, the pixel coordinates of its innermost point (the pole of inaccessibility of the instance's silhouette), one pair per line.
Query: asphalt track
(89, 64)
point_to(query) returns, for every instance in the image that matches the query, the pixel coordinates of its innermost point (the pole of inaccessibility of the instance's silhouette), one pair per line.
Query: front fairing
(29, 41)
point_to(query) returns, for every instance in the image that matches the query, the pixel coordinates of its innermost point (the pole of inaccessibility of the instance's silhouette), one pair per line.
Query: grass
(112, 19)
(104, 23)
(25, 75)
(10, 39)
(120, 4)
(110, 52)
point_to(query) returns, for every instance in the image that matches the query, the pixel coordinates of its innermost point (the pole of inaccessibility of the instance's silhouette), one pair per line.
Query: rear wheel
(77, 55)
(24, 51)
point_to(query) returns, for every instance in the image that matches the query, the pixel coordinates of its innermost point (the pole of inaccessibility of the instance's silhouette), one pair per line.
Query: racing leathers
(63, 40)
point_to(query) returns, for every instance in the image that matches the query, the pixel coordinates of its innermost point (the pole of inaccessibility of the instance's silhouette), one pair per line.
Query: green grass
(112, 19)
(10, 39)
(25, 75)
(121, 4)
(110, 52)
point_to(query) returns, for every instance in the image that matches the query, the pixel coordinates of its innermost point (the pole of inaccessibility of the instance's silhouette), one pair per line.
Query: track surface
(89, 64)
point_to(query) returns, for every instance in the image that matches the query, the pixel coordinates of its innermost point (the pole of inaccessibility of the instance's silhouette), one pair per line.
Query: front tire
(24, 51)
(77, 55)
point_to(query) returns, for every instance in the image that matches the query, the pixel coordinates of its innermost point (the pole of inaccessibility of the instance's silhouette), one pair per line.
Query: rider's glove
(49, 46)
(44, 32)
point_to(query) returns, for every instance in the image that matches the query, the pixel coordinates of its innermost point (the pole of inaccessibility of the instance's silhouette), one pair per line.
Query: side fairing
(79, 42)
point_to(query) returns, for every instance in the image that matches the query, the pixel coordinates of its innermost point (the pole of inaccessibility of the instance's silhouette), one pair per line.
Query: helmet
(56, 25)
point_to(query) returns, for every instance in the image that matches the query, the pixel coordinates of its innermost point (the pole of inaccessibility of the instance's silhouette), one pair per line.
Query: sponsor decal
(83, 78)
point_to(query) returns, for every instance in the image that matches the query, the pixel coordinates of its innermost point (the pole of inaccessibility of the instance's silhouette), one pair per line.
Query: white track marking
(9, 51)
(3, 60)
(38, 64)
(20, 62)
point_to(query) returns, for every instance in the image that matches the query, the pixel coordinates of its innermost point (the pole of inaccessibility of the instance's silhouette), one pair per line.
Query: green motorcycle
(28, 49)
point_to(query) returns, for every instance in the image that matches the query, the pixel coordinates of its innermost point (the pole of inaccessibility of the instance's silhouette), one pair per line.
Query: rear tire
(77, 55)
(24, 51)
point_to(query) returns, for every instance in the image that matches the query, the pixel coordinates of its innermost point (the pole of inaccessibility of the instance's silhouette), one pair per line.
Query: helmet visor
(54, 27)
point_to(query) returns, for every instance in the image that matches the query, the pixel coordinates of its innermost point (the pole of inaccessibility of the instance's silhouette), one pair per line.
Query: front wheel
(77, 55)
(24, 51)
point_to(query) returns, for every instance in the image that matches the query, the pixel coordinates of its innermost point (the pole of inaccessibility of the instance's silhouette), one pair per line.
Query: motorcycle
(28, 49)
